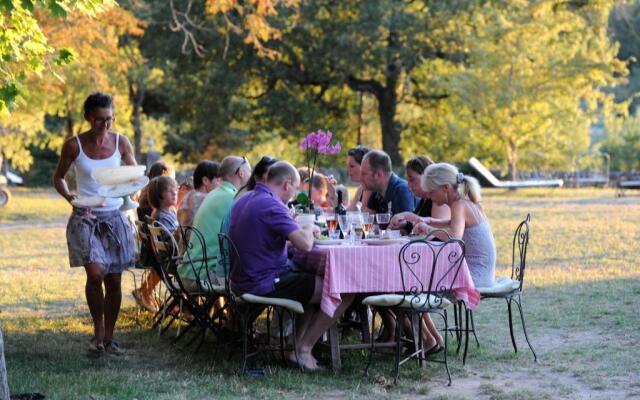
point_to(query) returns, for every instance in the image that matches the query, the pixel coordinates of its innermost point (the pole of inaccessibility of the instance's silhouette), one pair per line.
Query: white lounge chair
(495, 182)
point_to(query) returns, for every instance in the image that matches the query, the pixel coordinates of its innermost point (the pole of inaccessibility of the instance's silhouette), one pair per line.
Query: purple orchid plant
(316, 143)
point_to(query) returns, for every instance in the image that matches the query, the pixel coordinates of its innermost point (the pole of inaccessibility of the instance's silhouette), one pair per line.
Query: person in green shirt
(235, 172)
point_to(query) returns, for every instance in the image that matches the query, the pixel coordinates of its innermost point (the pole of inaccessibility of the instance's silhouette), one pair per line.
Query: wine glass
(345, 225)
(332, 225)
(383, 222)
(367, 223)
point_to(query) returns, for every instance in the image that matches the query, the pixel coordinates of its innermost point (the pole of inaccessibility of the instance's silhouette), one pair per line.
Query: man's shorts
(294, 285)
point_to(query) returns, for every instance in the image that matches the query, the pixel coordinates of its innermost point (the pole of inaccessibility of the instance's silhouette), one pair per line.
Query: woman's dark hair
(358, 153)
(95, 101)
(206, 168)
(261, 168)
(158, 168)
(418, 164)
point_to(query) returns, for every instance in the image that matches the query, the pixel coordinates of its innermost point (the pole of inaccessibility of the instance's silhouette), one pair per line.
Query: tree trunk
(136, 97)
(4, 385)
(513, 158)
(68, 124)
(388, 102)
(360, 118)
(391, 128)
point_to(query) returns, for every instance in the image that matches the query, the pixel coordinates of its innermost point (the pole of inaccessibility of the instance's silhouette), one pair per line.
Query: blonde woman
(445, 185)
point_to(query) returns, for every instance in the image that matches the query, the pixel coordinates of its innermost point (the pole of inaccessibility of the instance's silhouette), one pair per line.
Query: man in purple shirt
(261, 224)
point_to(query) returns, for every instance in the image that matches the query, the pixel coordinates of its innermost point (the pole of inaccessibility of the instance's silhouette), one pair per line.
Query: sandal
(98, 346)
(112, 348)
(434, 350)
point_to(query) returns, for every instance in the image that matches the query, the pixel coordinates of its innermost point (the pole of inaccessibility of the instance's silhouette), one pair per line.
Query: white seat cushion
(212, 288)
(407, 301)
(503, 285)
(291, 305)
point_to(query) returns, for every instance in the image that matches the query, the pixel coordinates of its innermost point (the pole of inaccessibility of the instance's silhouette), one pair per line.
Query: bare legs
(313, 324)
(112, 300)
(147, 286)
(95, 298)
(104, 306)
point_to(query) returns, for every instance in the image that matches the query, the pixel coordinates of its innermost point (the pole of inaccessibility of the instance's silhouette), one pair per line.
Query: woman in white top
(103, 243)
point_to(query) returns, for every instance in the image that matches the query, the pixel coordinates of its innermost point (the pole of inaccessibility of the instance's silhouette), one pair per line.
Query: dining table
(373, 268)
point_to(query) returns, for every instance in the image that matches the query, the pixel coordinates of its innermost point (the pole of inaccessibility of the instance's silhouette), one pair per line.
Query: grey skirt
(106, 239)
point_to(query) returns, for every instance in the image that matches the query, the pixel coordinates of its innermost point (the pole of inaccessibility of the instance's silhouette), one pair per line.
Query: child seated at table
(163, 196)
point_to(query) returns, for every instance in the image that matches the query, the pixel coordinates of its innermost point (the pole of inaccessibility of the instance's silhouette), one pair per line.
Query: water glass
(343, 222)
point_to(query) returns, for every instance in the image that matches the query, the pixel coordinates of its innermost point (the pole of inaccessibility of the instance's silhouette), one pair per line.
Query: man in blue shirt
(377, 176)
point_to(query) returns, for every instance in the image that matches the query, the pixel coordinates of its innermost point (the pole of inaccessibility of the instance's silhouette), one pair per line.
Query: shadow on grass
(564, 321)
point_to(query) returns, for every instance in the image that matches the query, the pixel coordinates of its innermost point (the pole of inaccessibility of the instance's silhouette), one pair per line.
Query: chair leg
(281, 336)
(457, 317)
(293, 335)
(371, 342)
(446, 362)
(399, 319)
(467, 314)
(473, 329)
(524, 329)
(513, 339)
(363, 313)
(245, 334)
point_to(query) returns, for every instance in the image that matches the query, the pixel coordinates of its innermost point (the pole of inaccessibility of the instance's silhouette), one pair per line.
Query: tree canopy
(518, 83)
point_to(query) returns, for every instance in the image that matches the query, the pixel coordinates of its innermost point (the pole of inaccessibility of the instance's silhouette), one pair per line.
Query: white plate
(327, 242)
(118, 175)
(123, 189)
(88, 201)
(383, 242)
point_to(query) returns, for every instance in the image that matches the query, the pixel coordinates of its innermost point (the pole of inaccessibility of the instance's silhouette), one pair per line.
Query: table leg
(334, 343)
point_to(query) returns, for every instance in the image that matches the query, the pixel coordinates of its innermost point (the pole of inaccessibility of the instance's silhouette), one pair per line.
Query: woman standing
(446, 185)
(103, 245)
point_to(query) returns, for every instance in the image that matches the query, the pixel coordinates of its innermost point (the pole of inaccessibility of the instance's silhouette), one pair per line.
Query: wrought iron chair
(166, 251)
(247, 308)
(145, 262)
(203, 293)
(422, 293)
(510, 288)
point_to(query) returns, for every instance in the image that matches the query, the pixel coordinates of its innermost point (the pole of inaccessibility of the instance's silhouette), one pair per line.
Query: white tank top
(87, 186)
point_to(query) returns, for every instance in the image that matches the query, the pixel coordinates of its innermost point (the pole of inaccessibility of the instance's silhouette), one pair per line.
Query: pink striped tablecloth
(374, 269)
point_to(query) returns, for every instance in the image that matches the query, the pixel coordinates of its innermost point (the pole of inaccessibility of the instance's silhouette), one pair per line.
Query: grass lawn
(581, 301)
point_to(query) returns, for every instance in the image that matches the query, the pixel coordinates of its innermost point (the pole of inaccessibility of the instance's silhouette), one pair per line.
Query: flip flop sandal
(113, 348)
(434, 350)
(98, 347)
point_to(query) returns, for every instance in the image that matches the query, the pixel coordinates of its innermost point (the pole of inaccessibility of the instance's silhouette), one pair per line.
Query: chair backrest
(421, 263)
(197, 261)
(519, 252)
(229, 257)
(165, 249)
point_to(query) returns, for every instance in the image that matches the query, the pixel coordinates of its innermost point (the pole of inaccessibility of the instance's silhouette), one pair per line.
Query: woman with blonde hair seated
(445, 185)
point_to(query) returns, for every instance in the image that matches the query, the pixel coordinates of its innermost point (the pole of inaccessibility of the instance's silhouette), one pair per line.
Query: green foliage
(623, 144)
(531, 84)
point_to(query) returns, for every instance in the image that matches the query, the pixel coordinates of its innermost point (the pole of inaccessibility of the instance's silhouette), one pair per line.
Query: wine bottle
(340, 210)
